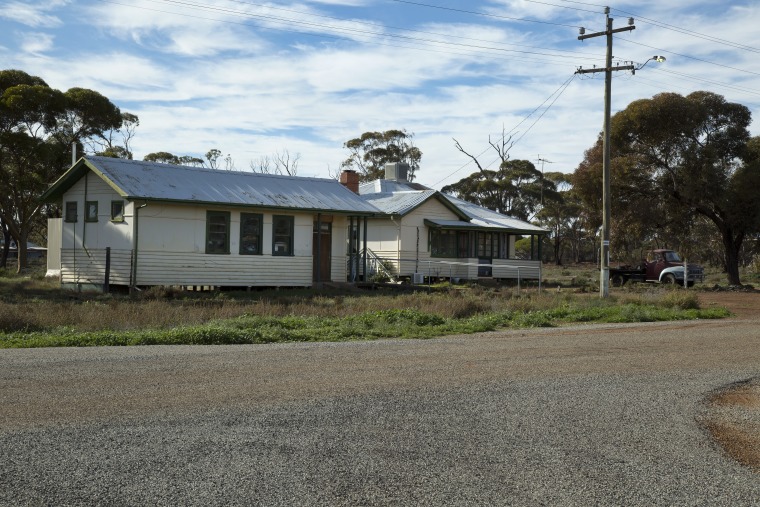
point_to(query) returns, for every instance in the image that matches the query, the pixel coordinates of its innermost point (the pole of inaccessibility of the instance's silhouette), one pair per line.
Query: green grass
(370, 325)
(34, 312)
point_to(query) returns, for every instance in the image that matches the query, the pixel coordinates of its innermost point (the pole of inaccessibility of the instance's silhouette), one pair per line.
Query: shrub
(683, 300)
(12, 322)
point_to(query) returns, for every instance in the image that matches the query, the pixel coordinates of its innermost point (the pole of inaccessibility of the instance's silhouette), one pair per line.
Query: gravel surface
(597, 415)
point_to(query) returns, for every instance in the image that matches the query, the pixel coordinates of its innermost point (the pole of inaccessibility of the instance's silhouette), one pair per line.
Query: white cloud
(33, 14)
(35, 42)
(208, 83)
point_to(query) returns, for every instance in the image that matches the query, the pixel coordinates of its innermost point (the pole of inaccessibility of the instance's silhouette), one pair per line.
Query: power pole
(604, 282)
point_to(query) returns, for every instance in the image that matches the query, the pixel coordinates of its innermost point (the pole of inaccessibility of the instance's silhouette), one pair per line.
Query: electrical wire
(692, 33)
(484, 14)
(566, 85)
(709, 81)
(558, 92)
(689, 57)
(378, 25)
(644, 19)
(351, 35)
(276, 19)
(560, 6)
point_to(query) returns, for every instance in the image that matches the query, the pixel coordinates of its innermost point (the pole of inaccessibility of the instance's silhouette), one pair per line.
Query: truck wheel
(617, 280)
(669, 278)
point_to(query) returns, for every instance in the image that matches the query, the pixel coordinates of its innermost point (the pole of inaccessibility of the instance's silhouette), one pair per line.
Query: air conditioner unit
(418, 278)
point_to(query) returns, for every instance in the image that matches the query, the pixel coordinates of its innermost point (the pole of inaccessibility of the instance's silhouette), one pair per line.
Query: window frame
(68, 211)
(87, 217)
(290, 219)
(260, 238)
(490, 246)
(222, 250)
(117, 217)
(443, 243)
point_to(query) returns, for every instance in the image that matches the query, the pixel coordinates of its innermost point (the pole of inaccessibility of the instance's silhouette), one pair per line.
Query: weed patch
(33, 315)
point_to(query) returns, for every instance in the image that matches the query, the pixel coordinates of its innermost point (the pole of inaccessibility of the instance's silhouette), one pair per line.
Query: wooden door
(322, 251)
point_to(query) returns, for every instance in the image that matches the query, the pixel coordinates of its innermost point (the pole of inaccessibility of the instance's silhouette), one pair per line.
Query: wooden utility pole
(604, 282)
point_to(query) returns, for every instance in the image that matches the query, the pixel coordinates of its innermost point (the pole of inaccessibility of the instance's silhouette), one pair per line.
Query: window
(443, 243)
(217, 232)
(71, 212)
(282, 235)
(91, 208)
(250, 234)
(504, 246)
(463, 244)
(488, 244)
(117, 211)
(448, 243)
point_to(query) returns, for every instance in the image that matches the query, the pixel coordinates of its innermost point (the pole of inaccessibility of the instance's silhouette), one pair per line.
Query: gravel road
(596, 415)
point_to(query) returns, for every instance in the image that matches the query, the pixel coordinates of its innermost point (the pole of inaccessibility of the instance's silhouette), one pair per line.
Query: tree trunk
(21, 245)
(6, 245)
(732, 246)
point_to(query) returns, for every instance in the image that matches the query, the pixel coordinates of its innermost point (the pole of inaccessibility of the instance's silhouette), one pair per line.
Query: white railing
(431, 269)
(375, 267)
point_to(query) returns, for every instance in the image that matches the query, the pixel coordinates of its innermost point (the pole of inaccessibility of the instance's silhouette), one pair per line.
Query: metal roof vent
(396, 171)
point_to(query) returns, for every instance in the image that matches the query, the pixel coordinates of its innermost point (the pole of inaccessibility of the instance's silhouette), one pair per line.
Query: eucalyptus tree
(677, 156)
(369, 153)
(38, 125)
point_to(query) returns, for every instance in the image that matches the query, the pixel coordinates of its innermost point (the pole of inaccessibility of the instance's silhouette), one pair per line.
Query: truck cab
(666, 266)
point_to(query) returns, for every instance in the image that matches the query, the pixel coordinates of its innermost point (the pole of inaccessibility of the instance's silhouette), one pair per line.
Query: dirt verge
(734, 422)
(744, 305)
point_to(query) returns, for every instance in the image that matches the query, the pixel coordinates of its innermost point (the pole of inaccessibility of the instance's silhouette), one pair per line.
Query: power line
(422, 44)
(547, 109)
(484, 14)
(691, 57)
(692, 33)
(556, 54)
(709, 81)
(558, 92)
(561, 6)
(379, 25)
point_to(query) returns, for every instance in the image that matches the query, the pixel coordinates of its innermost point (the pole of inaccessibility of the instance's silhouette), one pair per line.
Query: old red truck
(663, 266)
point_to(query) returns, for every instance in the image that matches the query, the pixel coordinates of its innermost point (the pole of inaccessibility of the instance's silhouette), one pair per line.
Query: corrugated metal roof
(399, 197)
(149, 180)
(398, 203)
(489, 218)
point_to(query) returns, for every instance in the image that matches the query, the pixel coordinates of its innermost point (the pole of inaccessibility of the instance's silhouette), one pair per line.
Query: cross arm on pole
(617, 67)
(606, 32)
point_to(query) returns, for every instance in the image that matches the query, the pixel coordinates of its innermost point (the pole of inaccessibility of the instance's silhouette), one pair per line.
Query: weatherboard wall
(172, 242)
(171, 245)
(404, 242)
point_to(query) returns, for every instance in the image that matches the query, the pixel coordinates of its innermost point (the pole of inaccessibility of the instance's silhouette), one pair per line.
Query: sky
(255, 78)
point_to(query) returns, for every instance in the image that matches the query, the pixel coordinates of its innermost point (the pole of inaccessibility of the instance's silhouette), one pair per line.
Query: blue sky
(253, 78)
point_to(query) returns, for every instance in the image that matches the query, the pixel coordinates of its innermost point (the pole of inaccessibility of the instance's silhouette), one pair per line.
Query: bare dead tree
(281, 162)
(263, 165)
(107, 142)
(285, 163)
(333, 174)
(501, 146)
(229, 163)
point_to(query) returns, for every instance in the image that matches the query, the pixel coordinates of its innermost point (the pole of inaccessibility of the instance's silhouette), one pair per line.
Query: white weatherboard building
(138, 224)
(427, 232)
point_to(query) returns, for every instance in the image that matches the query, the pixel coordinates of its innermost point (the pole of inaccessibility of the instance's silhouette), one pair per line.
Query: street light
(655, 58)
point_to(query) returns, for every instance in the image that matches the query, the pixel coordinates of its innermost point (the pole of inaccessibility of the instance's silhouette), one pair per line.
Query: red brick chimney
(350, 180)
